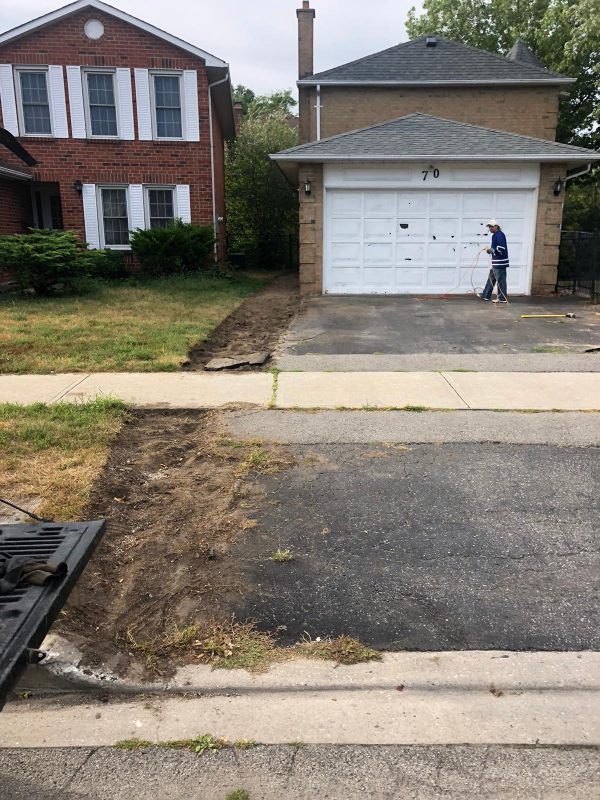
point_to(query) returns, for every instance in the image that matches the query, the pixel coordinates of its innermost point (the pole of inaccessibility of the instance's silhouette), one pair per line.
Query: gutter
(15, 174)
(316, 159)
(504, 82)
(212, 162)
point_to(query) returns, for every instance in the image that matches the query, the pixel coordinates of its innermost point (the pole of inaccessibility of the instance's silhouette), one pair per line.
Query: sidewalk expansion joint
(455, 390)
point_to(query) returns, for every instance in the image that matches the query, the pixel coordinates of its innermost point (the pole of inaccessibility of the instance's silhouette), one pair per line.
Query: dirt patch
(176, 493)
(256, 325)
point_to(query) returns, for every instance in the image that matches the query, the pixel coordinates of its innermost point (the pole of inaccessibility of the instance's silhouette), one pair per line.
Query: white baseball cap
(491, 223)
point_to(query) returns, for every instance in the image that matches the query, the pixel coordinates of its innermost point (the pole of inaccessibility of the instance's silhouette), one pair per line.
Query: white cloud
(259, 37)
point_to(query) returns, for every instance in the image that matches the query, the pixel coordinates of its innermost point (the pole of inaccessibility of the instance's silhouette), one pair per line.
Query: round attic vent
(93, 29)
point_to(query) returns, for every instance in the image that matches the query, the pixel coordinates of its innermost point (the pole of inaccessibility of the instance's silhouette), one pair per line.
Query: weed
(198, 745)
(282, 555)
(297, 743)
(342, 650)
(238, 794)
(244, 744)
(134, 744)
(238, 646)
(543, 348)
(259, 461)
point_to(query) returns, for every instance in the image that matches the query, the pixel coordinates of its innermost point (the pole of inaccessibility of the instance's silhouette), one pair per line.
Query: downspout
(212, 163)
(318, 111)
(570, 175)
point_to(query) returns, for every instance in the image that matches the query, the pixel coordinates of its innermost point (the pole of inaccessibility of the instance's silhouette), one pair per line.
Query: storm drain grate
(27, 612)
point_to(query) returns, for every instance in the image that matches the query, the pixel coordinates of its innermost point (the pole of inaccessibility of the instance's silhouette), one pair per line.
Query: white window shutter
(136, 206)
(56, 89)
(7, 99)
(90, 215)
(190, 94)
(144, 111)
(76, 102)
(184, 210)
(126, 130)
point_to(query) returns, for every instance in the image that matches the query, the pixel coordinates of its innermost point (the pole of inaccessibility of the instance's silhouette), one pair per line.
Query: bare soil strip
(256, 325)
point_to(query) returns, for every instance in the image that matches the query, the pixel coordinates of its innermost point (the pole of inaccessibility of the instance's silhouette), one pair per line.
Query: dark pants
(497, 275)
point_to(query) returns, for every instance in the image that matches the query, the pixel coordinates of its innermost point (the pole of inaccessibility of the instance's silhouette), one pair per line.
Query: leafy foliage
(564, 35)
(582, 205)
(47, 261)
(180, 247)
(262, 207)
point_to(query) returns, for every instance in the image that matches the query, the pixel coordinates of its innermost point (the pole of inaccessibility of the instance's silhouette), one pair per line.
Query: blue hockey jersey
(499, 250)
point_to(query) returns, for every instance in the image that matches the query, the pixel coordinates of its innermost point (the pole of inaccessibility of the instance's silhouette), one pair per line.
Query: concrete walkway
(573, 391)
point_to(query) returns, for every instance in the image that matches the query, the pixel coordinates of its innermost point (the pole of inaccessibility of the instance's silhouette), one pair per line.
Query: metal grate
(27, 612)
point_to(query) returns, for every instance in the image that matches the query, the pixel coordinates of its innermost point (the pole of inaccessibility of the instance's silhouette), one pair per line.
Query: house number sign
(428, 173)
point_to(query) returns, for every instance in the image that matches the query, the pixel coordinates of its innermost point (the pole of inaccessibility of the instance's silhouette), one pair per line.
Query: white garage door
(415, 241)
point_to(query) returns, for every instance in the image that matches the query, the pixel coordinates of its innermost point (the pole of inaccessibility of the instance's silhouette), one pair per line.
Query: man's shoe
(481, 297)
(496, 300)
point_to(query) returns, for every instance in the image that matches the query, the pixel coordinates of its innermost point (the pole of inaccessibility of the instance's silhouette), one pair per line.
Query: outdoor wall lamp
(558, 187)
(78, 186)
(307, 187)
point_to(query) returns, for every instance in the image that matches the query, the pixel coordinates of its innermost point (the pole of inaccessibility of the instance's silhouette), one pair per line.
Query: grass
(238, 794)
(54, 452)
(242, 646)
(199, 744)
(282, 556)
(139, 326)
(544, 348)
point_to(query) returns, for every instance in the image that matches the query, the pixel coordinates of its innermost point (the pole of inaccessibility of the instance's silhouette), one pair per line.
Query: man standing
(499, 253)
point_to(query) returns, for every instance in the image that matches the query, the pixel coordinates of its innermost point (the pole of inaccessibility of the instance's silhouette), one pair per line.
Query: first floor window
(115, 220)
(160, 208)
(101, 103)
(167, 106)
(35, 106)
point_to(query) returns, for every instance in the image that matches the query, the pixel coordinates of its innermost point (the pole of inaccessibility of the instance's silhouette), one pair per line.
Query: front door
(47, 208)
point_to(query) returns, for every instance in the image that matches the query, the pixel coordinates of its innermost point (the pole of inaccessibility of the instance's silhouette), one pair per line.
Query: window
(34, 105)
(167, 106)
(160, 207)
(114, 218)
(101, 105)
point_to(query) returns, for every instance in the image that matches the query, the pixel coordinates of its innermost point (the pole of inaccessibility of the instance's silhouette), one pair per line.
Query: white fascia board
(556, 159)
(78, 5)
(14, 173)
(500, 82)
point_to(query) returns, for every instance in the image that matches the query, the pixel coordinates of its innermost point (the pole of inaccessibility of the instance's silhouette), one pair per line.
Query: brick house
(406, 153)
(15, 178)
(125, 123)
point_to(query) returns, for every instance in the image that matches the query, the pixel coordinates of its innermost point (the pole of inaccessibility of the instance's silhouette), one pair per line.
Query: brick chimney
(306, 16)
(237, 115)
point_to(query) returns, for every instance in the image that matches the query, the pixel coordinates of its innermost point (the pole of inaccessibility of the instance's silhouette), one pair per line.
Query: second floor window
(102, 109)
(167, 106)
(35, 106)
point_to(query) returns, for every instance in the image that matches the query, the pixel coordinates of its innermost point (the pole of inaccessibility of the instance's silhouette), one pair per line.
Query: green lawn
(53, 453)
(137, 326)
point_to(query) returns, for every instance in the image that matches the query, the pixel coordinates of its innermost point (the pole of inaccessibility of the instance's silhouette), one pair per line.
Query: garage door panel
(379, 252)
(380, 203)
(441, 252)
(443, 201)
(345, 252)
(412, 278)
(474, 202)
(438, 278)
(412, 202)
(410, 252)
(408, 228)
(346, 202)
(514, 228)
(346, 228)
(511, 203)
(379, 278)
(444, 228)
(474, 229)
(380, 228)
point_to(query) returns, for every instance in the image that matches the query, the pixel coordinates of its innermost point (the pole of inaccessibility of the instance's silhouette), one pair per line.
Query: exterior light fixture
(307, 187)
(78, 186)
(558, 186)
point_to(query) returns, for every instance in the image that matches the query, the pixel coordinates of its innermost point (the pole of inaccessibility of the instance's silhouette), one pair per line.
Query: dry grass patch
(55, 452)
(136, 326)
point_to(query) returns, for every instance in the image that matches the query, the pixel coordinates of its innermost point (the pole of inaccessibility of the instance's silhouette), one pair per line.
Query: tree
(564, 35)
(262, 207)
(243, 96)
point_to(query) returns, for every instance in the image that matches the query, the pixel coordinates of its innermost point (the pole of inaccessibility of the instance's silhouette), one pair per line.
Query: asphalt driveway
(430, 547)
(457, 325)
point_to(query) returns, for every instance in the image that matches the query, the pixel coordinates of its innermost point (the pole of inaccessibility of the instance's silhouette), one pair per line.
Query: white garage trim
(418, 229)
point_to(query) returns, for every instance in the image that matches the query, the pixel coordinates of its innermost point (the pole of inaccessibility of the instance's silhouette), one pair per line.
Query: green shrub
(108, 265)
(179, 248)
(46, 261)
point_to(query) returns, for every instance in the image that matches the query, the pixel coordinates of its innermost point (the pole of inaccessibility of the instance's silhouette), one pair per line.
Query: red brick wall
(15, 206)
(94, 161)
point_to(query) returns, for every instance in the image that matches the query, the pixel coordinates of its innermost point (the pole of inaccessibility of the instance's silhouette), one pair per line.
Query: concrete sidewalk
(553, 391)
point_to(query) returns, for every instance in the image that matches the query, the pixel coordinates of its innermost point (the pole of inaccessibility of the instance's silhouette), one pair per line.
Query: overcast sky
(258, 37)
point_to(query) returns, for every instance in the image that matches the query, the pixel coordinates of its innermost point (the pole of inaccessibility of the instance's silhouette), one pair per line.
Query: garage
(400, 207)
(382, 241)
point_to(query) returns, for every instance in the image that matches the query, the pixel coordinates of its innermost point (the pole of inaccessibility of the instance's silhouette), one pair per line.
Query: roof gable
(521, 53)
(414, 63)
(80, 5)
(421, 136)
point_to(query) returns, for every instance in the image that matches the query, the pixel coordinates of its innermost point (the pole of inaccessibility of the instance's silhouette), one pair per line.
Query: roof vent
(431, 41)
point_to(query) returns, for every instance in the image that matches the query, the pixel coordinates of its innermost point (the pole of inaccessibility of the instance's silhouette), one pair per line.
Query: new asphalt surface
(430, 547)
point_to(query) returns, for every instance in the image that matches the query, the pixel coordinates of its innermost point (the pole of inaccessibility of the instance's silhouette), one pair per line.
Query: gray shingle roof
(521, 53)
(448, 62)
(422, 136)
